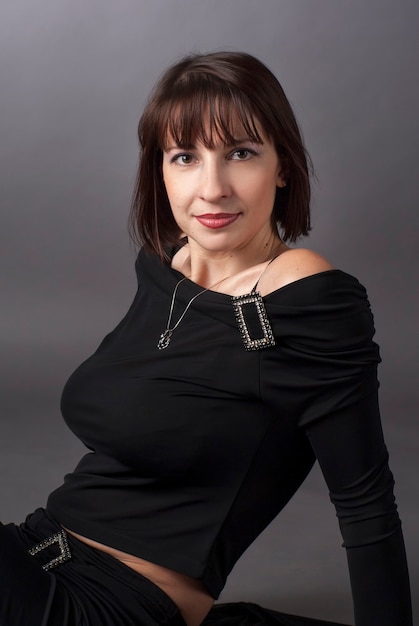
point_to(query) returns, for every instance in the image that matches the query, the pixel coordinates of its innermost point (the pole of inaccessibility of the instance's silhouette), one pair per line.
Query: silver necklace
(238, 302)
(166, 335)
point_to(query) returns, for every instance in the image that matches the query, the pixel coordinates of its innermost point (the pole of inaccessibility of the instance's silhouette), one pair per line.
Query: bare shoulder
(292, 265)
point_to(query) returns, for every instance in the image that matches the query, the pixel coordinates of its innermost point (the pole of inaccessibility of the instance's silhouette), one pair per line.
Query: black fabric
(196, 448)
(249, 614)
(91, 589)
(26, 590)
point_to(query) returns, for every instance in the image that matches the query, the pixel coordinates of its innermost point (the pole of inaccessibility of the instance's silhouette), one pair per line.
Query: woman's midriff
(189, 594)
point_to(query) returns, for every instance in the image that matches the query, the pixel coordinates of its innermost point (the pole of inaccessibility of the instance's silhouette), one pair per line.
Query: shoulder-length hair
(232, 87)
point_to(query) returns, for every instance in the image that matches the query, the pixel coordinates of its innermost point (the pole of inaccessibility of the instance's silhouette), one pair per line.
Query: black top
(196, 448)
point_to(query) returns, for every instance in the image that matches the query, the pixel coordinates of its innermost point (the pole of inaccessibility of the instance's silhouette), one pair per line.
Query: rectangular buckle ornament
(61, 540)
(239, 304)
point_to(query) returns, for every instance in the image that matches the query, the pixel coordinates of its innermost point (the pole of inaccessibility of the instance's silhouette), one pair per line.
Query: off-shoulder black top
(196, 448)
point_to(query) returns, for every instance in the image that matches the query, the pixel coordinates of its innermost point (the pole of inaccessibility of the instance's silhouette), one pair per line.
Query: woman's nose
(214, 183)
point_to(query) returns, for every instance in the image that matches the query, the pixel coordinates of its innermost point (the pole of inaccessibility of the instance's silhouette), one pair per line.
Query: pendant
(240, 304)
(164, 339)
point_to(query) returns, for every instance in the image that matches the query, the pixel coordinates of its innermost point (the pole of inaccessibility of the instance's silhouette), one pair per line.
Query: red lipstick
(217, 220)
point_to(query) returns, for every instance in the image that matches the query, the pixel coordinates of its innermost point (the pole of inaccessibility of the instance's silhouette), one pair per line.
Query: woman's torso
(189, 592)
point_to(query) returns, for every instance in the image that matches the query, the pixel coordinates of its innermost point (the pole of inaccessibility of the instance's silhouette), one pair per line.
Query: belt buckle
(61, 540)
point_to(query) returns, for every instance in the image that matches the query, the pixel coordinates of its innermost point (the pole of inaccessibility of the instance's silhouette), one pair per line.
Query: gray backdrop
(74, 77)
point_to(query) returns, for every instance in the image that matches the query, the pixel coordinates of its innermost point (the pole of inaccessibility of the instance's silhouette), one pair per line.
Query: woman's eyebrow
(177, 146)
(241, 140)
(227, 144)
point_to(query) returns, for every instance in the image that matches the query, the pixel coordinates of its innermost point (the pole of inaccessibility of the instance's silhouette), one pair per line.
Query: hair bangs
(207, 112)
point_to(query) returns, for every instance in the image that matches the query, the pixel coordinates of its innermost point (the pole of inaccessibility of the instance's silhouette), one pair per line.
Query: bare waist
(189, 594)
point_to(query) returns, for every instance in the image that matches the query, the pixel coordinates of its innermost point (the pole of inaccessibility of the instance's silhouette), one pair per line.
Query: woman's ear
(281, 180)
(282, 173)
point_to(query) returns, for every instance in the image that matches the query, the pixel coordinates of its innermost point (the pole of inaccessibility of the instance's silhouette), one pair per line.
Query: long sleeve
(354, 461)
(327, 361)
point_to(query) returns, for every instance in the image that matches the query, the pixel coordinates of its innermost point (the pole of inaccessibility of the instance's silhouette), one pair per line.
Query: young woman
(239, 363)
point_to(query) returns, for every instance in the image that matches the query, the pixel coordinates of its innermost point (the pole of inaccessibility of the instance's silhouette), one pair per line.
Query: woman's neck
(209, 268)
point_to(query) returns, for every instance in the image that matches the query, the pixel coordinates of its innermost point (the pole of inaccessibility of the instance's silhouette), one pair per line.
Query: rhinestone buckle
(254, 298)
(61, 540)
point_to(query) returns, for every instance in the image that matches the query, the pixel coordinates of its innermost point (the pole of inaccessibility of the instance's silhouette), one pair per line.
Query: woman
(239, 362)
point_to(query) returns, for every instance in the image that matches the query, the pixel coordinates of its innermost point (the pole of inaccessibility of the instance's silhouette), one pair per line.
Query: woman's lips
(217, 220)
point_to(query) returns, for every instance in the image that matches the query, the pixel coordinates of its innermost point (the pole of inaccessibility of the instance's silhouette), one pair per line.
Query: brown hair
(230, 86)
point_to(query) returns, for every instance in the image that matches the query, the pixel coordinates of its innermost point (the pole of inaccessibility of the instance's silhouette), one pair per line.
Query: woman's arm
(324, 371)
(351, 451)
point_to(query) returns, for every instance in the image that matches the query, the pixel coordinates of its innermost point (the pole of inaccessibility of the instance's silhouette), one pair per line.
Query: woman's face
(222, 198)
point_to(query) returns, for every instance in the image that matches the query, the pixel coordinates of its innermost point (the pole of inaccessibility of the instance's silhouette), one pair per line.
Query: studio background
(74, 78)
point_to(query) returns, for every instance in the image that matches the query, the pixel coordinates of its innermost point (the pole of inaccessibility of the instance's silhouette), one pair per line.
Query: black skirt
(248, 614)
(87, 587)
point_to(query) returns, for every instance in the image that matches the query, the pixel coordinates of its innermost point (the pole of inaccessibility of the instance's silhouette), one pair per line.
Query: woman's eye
(242, 154)
(182, 159)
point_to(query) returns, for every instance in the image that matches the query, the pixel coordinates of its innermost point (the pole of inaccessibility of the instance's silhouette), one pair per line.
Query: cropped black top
(195, 449)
